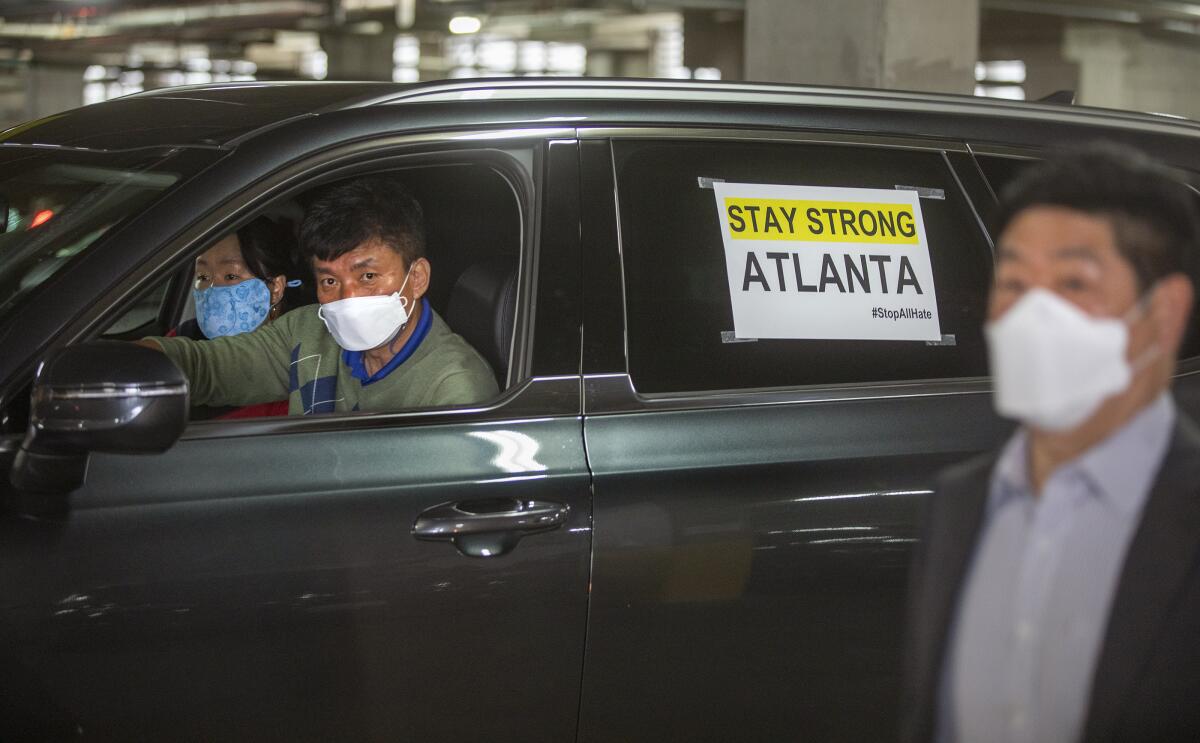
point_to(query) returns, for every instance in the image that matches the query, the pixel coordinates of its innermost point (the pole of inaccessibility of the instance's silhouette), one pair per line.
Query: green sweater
(296, 357)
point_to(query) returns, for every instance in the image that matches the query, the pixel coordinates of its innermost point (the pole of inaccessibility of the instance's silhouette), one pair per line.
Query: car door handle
(488, 527)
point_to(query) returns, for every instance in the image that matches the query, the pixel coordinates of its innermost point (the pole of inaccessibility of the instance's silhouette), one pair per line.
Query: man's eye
(326, 282)
(1072, 284)
(232, 277)
(368, 276)
(201, 278)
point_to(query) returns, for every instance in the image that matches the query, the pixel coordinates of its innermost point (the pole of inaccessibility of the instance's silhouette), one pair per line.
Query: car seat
(482, 305)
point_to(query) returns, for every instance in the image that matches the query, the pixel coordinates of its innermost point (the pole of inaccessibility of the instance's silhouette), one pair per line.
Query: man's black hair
(1153, 215)
(353, 212)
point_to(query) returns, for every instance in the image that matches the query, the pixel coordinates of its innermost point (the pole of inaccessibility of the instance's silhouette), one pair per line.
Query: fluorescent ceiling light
(465, 24)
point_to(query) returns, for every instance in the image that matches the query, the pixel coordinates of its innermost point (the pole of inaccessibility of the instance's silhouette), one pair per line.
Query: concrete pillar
(1036, 40)
(50, 89)
(715, 39)
(353, 56)
(1122, 67)
(12, 96)
(901, 44)
(618, 63)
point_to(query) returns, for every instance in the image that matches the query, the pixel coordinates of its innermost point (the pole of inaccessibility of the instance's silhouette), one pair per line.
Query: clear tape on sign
(707, 183)
(728, 336)
(925, 192)
(948, 339)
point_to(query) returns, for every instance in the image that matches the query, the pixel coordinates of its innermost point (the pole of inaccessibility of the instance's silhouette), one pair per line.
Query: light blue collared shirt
(1032, 614)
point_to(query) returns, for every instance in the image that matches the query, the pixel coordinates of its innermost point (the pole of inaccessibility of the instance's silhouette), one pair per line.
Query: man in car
(1056, 595)
(372, 343)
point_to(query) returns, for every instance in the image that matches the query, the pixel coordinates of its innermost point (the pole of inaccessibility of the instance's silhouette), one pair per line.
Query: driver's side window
(257, 279)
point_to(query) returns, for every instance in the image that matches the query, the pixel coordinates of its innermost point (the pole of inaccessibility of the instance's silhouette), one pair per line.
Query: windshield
(55, 204)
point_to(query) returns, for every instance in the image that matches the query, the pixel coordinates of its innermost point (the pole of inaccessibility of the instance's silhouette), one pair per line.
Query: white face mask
(363, 323)
(1053, 364)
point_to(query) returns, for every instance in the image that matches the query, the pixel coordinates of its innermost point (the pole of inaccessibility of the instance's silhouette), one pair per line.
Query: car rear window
(680, 318)
(1001, 170)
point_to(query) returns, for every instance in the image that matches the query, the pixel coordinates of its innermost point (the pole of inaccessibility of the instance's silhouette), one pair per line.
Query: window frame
(609, 391)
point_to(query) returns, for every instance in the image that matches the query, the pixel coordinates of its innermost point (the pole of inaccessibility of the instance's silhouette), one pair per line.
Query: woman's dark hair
(268, 249)
(1153, 215)
(350, 213)
(265, 248)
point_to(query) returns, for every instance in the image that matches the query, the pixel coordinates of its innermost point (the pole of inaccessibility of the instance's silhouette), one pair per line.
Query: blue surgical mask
(230, 310)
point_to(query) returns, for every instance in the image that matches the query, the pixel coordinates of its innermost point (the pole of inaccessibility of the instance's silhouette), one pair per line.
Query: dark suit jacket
(1147, 681)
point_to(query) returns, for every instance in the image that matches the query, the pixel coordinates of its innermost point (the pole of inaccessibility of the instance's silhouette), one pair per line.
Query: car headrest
(481, 309)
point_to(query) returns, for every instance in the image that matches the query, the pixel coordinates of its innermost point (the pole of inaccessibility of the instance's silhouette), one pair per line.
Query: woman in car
(244, 280)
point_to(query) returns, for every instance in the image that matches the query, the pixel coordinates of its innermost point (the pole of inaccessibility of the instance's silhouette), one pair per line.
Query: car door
(263, 580)
(756, 501)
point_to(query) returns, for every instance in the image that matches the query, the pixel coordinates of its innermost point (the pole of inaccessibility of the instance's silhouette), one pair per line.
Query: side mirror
(103, 396)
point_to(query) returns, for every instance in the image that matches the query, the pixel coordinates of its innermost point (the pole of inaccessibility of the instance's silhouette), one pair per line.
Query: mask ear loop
(1135, 313)
(1139, 307)
(403, 303)
(403, 299)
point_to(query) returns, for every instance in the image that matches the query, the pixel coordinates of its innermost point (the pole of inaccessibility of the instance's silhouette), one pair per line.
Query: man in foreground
(1056, 595)
(372, 343)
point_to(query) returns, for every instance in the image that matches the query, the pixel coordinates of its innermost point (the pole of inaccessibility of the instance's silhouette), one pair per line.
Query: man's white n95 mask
(1052, 363)
(363, 323)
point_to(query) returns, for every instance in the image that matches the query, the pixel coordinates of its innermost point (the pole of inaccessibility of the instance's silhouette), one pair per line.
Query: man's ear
(1172, 304)
(276, 285)
(418, 277)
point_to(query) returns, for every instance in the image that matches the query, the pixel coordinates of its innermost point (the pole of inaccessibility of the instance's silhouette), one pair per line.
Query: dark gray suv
(661, 529)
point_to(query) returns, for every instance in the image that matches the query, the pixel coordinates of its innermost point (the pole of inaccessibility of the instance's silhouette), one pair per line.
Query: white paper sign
(827, 263)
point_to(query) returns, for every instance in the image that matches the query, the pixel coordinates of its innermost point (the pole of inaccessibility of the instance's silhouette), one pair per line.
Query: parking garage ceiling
(74, 30)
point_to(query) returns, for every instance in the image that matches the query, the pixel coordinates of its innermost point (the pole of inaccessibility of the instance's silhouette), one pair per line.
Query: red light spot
(41, 218)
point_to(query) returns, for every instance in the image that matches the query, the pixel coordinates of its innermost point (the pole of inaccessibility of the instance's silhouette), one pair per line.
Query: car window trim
(976, 212)
(533, 399)
(937, 144)
(608, 394)
(997, 150)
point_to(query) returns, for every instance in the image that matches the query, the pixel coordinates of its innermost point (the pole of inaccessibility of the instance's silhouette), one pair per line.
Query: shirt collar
(358, 369)
(1120, 468)
(1010, 479)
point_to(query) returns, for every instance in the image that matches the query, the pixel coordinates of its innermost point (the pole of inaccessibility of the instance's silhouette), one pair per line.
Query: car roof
(196, 116)
(223, 114)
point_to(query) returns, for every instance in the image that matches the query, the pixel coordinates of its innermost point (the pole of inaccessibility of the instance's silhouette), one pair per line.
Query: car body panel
(751, 562)
(268, 587)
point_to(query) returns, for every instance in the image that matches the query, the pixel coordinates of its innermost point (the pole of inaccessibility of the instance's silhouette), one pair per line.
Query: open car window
(473, 227)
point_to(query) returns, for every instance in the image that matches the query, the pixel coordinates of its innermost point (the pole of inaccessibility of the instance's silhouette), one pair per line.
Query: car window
(55, 205)
(678, 295)
(473, 232)
(1000, 171)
